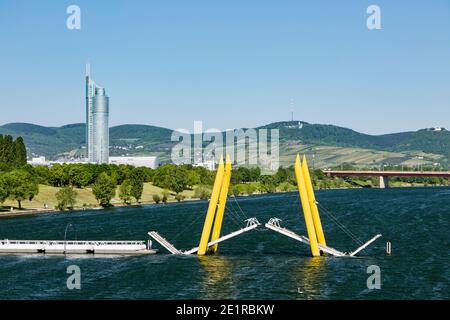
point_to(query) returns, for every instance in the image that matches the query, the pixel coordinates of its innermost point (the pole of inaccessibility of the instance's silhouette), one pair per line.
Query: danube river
(260, 264)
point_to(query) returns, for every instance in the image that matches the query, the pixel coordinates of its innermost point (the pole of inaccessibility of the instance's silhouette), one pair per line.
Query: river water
(260, 264)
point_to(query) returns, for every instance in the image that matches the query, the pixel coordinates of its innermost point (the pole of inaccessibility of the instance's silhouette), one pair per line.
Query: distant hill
(48, 141)
(425, 140)
(54, 141)
(332, 144)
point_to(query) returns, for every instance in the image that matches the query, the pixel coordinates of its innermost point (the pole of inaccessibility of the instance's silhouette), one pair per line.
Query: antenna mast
(292, 109)
(88, 68)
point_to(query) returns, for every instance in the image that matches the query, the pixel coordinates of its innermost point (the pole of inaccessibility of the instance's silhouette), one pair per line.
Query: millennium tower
(97, 115)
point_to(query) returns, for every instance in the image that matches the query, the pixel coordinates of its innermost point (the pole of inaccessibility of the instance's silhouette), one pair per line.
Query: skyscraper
(90, 89)
(97, 115)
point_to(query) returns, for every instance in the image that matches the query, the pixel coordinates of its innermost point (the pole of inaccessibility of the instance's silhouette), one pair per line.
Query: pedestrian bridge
(210, 237)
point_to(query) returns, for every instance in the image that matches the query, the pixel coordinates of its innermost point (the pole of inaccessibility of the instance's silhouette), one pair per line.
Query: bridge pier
(384, 182)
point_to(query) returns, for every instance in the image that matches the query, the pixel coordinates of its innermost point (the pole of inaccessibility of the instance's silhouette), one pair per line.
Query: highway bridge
(384, 175)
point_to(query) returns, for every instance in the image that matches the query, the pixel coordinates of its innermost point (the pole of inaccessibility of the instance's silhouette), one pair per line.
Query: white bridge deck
(274, 224)
(76, 247)
(252, 223)
(162, 241)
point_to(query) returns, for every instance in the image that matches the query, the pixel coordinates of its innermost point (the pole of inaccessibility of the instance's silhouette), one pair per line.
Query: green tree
(13, 153)
(78, 175)
(201, 192)
(22, 186)
(235, 190)
(255, 173)
(206, 177)
(193, 178)
(104, 189)
(281, 175)
(250, 188)
(67, 198)
(171, 177)
(156, 198)
(179, 197)
(125, 191)
(20, 153)
(165, 196)
(286, 187)
(4, 189)
(137, 178)
(7, 150)
(123, 172)
(42, 174)
(179, 181)
(58, 176)
(268, 184)
(2, 147)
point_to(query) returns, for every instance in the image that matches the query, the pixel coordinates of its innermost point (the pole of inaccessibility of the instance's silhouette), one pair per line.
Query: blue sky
(229, 63)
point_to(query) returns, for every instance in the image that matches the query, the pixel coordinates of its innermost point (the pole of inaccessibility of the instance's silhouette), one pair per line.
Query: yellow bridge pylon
(313, 203)
(210, 237)
(216, 208)
(221, 205)
(309, 205)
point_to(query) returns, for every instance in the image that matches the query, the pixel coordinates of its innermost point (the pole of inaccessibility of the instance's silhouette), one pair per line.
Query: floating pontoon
(76, 247)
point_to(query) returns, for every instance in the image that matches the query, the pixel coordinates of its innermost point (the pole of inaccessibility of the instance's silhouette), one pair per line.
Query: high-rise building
(97, 115)
(90, 89)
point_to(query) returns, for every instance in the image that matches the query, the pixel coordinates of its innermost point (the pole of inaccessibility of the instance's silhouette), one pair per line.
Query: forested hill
(426, 140)
(146, 139)
(53, 141)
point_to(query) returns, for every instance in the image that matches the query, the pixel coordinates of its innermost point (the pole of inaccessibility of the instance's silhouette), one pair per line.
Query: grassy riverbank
(84, 199)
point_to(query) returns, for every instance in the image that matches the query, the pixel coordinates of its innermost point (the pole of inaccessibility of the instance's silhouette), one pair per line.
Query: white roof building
(208, 164)
(149, 162)
(37, 161)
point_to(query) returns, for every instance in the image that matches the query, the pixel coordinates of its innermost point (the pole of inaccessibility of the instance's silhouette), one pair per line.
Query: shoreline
(35, 211)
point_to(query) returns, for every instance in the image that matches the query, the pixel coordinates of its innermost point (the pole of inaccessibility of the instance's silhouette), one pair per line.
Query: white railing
(252, 223)
(162, 241)
(74, 242)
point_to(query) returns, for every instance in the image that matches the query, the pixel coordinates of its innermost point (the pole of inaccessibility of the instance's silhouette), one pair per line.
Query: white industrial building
(149, 162)
(38, 161)
(41, 161)
(208, 164)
